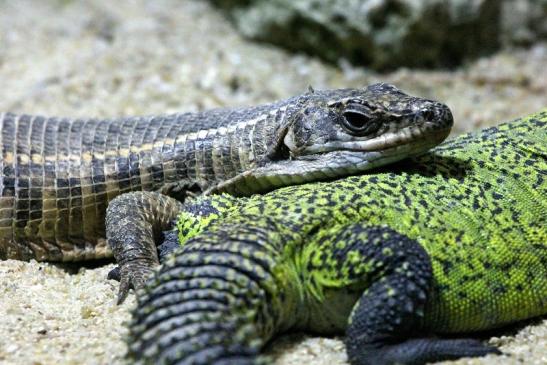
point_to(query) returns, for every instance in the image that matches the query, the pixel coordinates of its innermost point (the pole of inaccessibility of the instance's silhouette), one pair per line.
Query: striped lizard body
(58, 175)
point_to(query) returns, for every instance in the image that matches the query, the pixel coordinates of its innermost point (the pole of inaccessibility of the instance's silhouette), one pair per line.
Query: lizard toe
(114, 274)
(132, 276)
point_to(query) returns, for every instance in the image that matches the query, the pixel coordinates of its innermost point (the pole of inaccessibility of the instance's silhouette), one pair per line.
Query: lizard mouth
(331, 161)
(410, 138)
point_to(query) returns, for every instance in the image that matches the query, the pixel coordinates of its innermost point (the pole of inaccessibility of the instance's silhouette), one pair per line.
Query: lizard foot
(423, 350)
(131, 275)
(386, 320)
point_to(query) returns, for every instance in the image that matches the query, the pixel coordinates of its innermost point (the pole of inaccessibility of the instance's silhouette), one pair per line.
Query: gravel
(90, 58)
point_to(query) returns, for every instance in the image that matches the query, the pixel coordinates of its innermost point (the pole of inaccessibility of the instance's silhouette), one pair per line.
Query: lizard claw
(114, 274)
(130, 275)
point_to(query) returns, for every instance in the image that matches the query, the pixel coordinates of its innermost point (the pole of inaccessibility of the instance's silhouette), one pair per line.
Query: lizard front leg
(385, 326)
(134, 221)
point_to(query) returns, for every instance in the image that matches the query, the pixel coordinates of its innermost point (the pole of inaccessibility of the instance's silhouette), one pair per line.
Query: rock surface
(89, 58)
(523, 22)
(391, 33)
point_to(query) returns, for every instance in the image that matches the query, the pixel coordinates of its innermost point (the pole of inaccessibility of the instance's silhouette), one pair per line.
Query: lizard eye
(359, 123)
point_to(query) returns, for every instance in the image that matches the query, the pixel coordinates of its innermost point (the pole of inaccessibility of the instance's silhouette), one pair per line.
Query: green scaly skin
(453, 241)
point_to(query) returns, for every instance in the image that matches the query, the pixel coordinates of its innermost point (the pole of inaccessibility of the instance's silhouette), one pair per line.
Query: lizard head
(334, 133)
(357, 129)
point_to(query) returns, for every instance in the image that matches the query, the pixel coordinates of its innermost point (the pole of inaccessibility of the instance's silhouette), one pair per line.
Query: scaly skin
(453, 241)
(58, 175)
(316, 136)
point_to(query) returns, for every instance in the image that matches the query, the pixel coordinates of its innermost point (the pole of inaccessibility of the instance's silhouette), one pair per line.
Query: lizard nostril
(428, 115)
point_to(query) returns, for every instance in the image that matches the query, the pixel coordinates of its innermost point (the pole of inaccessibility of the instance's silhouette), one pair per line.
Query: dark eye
(359, 123)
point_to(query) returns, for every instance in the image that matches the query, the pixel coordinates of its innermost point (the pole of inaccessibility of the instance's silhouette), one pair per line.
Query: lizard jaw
(319, 167)
(411, 136)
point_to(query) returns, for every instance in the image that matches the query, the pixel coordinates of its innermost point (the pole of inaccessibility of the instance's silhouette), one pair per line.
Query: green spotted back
(452, 241)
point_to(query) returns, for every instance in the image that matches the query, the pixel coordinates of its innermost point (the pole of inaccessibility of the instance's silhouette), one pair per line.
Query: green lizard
(451, 242)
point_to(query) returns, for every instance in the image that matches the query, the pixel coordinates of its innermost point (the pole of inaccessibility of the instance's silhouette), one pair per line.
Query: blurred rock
(390, 33)
(523, 22)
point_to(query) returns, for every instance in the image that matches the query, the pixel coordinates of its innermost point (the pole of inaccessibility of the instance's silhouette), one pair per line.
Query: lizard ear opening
(278, 150)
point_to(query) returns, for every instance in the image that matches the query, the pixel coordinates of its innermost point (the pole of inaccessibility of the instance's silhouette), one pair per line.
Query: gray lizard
(58, 175)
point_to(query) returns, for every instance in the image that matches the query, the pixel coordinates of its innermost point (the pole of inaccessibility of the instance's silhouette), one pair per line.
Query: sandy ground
(86, 58)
